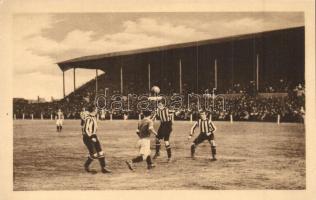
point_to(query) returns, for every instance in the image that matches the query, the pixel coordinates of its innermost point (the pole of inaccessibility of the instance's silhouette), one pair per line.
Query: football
(155, 89)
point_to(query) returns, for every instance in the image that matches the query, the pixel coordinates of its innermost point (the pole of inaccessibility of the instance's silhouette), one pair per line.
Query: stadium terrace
(260, 76)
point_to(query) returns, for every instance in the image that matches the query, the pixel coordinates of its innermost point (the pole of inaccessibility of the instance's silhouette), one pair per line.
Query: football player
(92, 143)
(83, 114)
(207, 130)
(165, 129)
(59, 120)
(145, 128)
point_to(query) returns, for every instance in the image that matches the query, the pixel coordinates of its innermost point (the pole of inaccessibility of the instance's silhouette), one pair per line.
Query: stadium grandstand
(260, 75)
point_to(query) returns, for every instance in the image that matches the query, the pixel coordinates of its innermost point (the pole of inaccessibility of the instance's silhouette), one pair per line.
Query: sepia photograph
(246, 78)
(159, 100)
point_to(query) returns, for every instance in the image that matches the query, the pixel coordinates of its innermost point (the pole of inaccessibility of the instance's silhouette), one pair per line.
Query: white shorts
(144, 147)
(59, 122)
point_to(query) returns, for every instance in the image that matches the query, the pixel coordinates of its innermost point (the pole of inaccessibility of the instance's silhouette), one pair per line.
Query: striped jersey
(84, 114)
(164, 115)
(206, 126)
(90, 125)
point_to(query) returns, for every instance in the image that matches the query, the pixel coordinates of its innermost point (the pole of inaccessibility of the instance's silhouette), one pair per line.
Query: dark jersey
(144, 128)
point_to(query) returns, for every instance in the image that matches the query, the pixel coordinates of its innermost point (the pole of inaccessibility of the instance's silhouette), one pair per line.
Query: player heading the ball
(165, 129)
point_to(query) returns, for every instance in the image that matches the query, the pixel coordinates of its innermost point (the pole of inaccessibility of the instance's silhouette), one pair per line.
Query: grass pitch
(250, 156)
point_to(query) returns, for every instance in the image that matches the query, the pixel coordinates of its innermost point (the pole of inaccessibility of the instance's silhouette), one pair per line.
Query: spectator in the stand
(299, 90)
(239, 105)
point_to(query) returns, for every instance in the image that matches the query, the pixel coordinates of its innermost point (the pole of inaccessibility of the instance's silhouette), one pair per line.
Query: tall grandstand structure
(263, 58)
(260, 76)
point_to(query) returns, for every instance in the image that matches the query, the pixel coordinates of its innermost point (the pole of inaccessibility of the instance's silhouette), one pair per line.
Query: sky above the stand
(41, 40)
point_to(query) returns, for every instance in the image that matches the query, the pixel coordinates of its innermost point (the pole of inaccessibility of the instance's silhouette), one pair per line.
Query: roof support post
(197, 69)
(257, 72)
(96, 81)
(232, 64)
(64, 93)
(215, 72)
(74, 79)
(149, 84)
(121, 75)
(180, 77)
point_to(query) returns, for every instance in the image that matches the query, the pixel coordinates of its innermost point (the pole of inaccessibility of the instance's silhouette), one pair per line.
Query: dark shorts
(203, 137)
(164, 131)
(93, 147)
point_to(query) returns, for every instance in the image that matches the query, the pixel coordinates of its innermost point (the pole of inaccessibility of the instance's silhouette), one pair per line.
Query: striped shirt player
(165, 129)
(144, 130)
(92, 143)
(59, 117)
(83, 114)
(207, 130)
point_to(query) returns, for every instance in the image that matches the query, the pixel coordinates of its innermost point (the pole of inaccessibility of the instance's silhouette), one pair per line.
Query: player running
(165, 129)
(207, 130)
(145, 128)
(59, 120)
(92, 143)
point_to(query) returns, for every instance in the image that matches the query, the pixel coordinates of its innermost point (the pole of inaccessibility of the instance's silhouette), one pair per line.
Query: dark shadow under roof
(83, 62)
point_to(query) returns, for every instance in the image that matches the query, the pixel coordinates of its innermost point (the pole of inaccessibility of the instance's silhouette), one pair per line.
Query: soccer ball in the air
(155, 89)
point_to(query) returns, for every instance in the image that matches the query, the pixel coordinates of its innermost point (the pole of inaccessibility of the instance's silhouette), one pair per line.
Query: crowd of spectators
(242, 103)
(280, 86)
(243, 106)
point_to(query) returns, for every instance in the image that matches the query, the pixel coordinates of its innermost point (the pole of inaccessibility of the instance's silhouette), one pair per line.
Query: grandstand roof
(101, 61)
